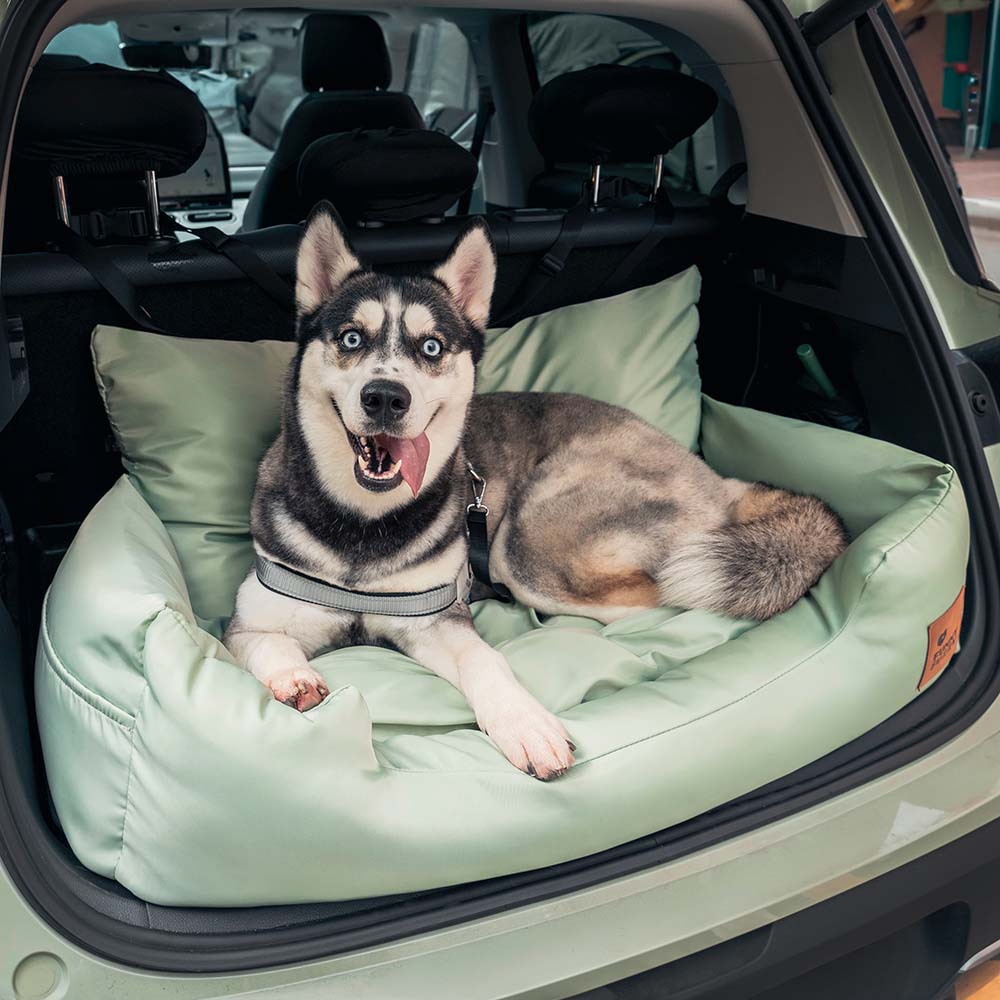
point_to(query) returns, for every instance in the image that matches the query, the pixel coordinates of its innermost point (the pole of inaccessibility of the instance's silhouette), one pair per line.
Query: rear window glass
(562, 43)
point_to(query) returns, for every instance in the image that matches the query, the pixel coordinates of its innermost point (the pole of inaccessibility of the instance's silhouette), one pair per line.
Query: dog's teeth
(361, 462)
(394, 468)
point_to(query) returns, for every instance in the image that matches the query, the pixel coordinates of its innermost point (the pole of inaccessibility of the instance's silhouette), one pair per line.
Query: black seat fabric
(345, 66)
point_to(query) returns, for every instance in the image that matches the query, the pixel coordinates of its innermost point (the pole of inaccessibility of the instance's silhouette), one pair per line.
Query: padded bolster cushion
(99, 120)
(158, 747)
(391, 176)
(617, 114)
(344, 52)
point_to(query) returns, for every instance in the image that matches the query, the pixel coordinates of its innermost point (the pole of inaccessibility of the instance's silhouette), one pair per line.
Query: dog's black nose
(383, 400)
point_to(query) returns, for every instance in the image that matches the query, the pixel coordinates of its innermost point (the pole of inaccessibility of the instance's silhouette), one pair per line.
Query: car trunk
(770, 288)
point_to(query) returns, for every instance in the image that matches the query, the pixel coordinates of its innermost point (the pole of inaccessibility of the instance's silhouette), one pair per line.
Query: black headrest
(98, 120)
(390, 175)
(344, 52)
(617, 114)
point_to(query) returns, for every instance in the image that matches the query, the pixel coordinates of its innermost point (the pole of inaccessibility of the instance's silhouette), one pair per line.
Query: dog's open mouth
(383, 462)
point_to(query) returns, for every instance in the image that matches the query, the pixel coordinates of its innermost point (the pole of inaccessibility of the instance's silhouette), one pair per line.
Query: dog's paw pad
(300, 689)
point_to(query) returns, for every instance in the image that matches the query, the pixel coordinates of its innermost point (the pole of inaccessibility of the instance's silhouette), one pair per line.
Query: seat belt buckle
(551, 264)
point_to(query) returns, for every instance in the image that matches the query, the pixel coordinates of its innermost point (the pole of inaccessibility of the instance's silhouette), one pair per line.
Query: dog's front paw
(531, 738)
(301, 688)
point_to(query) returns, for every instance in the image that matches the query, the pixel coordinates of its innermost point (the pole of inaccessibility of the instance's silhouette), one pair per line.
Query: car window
(441, 77)
(563, 43)
(96, 43)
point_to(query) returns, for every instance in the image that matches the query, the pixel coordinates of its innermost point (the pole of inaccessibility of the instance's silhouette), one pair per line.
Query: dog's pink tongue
(411, 453)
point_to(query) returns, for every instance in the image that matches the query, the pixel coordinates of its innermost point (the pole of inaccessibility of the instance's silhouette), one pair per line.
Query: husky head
(386, 365)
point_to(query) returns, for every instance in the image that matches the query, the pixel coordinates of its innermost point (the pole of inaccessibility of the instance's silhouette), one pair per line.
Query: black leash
(479, 542)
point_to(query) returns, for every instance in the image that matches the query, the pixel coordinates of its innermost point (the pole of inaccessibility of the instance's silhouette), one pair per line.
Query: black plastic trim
(513, 231)
(51, 886)
(833, 16)
(979, 392)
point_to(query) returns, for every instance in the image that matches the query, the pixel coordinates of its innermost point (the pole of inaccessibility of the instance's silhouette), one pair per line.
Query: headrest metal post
(657, 175)
(62, 203)
(153, 203)
(595, 184)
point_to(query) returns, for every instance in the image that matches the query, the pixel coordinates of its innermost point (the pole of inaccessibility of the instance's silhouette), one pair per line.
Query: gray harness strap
(289, 583)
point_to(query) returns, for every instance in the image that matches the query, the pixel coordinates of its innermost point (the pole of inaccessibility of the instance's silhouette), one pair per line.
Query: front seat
(345, 68)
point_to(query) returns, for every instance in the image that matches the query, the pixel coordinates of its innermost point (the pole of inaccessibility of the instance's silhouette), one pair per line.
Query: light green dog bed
(175, 772)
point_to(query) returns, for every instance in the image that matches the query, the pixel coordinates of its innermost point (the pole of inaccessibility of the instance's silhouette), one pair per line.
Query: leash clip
(478, 492)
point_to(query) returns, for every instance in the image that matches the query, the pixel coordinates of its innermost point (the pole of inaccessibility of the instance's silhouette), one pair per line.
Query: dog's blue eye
(431, 347)
(350, 340)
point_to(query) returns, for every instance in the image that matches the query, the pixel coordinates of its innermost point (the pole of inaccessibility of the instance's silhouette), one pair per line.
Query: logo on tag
(942, 640)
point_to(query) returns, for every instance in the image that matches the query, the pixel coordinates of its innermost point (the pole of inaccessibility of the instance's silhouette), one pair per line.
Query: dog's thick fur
(592, 511)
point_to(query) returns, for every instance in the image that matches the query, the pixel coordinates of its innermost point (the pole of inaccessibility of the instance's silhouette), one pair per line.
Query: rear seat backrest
(345, 70)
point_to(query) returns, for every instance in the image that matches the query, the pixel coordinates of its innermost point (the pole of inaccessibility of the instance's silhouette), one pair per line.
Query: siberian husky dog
(592, 511)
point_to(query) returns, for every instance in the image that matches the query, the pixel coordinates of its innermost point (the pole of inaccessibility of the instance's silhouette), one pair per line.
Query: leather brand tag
(942, 640)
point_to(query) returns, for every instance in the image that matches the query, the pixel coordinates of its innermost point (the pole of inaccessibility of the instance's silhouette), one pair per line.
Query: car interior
(409, 121)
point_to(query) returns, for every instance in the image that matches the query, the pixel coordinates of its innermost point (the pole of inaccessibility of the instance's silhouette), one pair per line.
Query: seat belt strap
(663, 216)
(239, 253)
(105, 272)
(485, 110)
(550, 265)
(729, 177)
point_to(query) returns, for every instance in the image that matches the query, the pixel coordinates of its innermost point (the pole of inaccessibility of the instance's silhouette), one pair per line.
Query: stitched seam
(73, 683)
(73, 691)
(104, 392)
(192, 633)
(624, 746)
(131, 751)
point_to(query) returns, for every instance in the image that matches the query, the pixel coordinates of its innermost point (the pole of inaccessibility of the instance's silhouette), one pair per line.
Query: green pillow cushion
(194, 417)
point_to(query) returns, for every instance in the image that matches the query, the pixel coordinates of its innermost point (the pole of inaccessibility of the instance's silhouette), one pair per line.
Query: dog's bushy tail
(776, 546)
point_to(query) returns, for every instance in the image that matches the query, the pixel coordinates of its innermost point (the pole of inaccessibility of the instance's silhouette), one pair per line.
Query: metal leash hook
(478, 491)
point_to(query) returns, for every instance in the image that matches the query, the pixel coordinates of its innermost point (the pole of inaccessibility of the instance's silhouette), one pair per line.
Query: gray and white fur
(592, 510)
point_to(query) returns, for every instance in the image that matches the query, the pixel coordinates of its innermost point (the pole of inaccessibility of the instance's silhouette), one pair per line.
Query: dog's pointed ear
(325, 258)
(469, 273)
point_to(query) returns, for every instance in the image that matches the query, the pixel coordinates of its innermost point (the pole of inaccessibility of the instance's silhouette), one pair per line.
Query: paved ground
(988, 244)
(980, 182)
